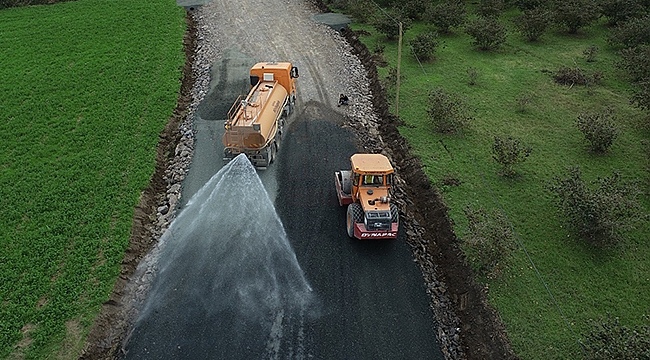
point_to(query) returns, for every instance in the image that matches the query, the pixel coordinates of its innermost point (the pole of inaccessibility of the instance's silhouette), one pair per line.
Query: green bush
(413, 9)
(390, 80)
(509, 152)
(448, 112)
(609, 340)
(600, 213)
(524, 5)
(636, 62)
(599, 129)
(575, 14)
(489, 242)
(446, 15)
(388, 23)
(590, 53)
(424, 46)
(533, 23)
(632, 33)
(490, 8)
(361, 10)
(620, 11)
(488, 33)
(576, 76)
(641, 96)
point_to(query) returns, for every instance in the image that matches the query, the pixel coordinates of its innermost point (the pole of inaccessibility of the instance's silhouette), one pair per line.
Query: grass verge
(86, 88)
(554, 284)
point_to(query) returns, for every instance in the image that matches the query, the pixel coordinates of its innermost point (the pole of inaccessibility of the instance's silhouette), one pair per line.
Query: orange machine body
(255, 122)
(366, 190)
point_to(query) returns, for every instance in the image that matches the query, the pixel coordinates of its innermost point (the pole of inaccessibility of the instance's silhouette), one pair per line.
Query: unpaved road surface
(370, 299)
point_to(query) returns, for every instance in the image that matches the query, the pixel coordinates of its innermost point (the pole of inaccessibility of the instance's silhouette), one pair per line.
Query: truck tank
(255, 122)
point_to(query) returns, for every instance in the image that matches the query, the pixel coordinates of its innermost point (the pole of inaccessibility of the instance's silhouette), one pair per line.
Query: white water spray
(228, 251)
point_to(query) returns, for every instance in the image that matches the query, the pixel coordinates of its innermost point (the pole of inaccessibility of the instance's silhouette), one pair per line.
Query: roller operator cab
(256, 121)
(366, 190)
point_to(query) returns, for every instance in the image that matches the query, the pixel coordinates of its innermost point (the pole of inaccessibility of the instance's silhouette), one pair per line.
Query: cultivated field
(554, 285)
(85, 89)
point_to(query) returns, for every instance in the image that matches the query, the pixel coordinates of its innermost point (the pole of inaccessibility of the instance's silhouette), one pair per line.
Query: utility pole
(399, 63)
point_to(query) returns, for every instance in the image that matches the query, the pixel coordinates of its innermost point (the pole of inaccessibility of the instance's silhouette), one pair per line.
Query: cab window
(373, 180)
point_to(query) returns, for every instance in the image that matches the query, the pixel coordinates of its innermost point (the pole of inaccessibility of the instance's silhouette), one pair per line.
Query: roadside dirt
(482, 335)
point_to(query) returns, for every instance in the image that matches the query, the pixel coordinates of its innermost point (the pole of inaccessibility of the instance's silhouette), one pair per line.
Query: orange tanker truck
(366, 190)
(255, 123)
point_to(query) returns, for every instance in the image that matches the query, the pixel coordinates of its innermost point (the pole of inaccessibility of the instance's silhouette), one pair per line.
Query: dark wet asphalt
(368, 298)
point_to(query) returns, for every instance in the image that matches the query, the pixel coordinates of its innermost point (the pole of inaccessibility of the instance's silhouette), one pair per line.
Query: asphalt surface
(270, 273)
(372, 295)
(366, 300)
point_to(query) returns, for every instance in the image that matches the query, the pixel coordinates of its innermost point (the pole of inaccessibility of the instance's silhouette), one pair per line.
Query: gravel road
(379, 303)
(369, 300)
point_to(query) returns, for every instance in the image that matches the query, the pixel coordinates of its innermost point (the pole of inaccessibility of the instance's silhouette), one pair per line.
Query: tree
(447, 14)
(532, 23)
(600, 213)
(620, 11)
(424, 45)
(489, 242)
(509, 152)
(524, 5)
(488, 33)
(490, 8)
(413, 9)
(631, 33)
(388, 23)
(448, 112)
(609, 339)
(361, 10)
(636, 62)
(599, 129)
(575, 14)
(641, 96)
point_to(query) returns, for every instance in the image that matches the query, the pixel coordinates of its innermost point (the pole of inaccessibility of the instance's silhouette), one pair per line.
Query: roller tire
(354, 215)
(346, 182)
(394, 213)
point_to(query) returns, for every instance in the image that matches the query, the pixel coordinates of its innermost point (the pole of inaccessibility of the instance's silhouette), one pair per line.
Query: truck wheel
(394, 213)
(274, 152)
(292, 104)
(354, 215)
(281, 128)
(268, 155)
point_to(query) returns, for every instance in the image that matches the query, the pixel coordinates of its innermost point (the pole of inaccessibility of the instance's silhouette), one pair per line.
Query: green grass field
(85, 89)
(553, 285)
